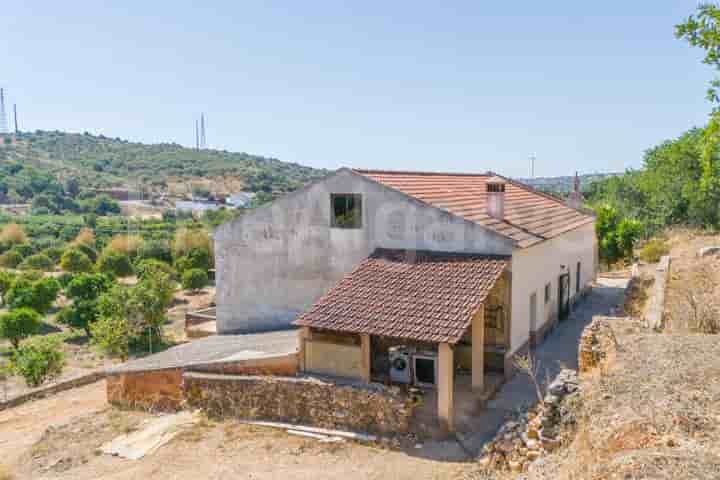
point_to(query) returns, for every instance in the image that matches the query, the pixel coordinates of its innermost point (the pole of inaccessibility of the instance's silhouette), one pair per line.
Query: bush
(65, 278)
(24, 249)
(127, 244)
(13, 233)
(155, 249)
(19, 324)
(6, 281)
(191, 239)
(38, 295)
(195, 258)
(116, 263)
(111, 334)
(86, 236)
(11, 259)
(54, 253)
(89, 251)
(39, 261)
(88, 286)
(39, 360)
(73, 260)
(194, 279)
(653, 250)
(152, 266)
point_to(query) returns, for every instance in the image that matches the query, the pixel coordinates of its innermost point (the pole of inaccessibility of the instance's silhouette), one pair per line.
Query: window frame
(358, 206)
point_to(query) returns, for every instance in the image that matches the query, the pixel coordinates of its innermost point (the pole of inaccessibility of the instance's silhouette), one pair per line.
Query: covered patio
(442, 308)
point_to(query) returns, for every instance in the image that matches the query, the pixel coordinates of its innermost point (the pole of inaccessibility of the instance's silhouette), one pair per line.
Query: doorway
(533, 312)
(563, 296)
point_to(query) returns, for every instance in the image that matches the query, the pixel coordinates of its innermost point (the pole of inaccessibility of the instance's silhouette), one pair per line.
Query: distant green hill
(100, 161)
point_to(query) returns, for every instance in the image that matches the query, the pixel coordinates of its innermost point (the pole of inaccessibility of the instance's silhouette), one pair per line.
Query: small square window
(547, 292)
(346, 210)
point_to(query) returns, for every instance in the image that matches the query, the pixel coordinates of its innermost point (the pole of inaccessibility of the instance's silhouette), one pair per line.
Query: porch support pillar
(446, 386)
(365, 356)
(478, 350)
(303, 335)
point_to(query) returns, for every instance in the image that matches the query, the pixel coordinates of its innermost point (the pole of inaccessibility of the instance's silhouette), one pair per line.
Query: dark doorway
(563, 296)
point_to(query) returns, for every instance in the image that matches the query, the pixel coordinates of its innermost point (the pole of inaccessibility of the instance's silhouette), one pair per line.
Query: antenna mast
(197, 136)
(532, 165)
(203, 143)
(3, 117)
(17, 130)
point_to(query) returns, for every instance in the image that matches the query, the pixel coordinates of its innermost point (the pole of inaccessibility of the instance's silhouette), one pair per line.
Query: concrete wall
(534, 267)
(333, 359)
(274, 262)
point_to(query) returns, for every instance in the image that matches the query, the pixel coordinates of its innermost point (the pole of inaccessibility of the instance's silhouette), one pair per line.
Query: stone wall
(156, 389)
(303, 400)
(597, 344)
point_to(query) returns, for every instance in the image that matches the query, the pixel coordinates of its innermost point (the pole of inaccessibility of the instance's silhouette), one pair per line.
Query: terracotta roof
(418, 295)
(530, 216)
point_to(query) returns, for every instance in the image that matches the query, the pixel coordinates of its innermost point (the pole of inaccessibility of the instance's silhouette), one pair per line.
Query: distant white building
(195, 206)
(240, 199)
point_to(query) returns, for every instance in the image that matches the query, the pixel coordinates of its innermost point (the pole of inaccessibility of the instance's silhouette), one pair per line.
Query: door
(533, 312)
(563, 296)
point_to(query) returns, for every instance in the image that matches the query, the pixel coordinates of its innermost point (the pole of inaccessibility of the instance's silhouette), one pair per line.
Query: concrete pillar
(303, 335)
(446, 386)
(365, 356)
(478, 349)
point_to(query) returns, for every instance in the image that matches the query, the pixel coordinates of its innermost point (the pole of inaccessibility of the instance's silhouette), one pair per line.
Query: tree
(84, 290)
(148, 301)
(38, 360)
(13, 234)
(16, 325)
(88, 286)
(155, 249)
(39, 261)
(72, 187)
(194, 279)
(115, 263)
(38, 295)
(73, 260)
(616, 236)
(6, 281)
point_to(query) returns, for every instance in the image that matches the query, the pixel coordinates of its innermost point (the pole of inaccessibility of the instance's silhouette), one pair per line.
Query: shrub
(24, 249)
(88, 286)
(6, 280)
(65, 278)
(127, 244)
(11, 259)
(54, 253)
(116, 263)
(13, 233)
(16, 325)
(86, 236)
(152, 266)
(39, 261)
(191, 239)
(84, 290)
(111, 334)
(39, 360)
(89, 251)
(195, 258)
(38, 295)
(653, 250)
(194, 279)
(73, 260)
(155, 249)
(80, 315)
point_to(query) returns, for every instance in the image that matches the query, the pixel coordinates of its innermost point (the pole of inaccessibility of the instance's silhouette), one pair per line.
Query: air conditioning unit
(400, 368)
(425, 372)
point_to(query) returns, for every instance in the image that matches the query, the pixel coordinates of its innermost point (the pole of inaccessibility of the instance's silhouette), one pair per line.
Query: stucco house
(438, 273)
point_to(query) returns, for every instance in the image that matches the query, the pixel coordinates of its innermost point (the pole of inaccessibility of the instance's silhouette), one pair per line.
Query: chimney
(495, 203)
(575, 198)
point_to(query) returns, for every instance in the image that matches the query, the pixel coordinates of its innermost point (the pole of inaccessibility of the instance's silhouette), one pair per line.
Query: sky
(465, 86)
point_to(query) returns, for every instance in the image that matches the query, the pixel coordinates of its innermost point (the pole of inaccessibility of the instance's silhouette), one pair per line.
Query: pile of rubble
(525, 439)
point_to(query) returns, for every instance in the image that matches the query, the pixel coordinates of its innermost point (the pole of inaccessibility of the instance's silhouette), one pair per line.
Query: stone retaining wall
(153, 389)
(40, 392)
(303, 400)
(597, 344)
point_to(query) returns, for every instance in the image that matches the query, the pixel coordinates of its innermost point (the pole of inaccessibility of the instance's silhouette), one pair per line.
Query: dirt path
(22, 426)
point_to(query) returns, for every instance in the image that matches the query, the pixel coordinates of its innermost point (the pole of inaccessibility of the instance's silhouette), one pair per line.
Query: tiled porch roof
(418, 295)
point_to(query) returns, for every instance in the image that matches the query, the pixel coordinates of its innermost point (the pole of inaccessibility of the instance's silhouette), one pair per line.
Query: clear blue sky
(471, 86)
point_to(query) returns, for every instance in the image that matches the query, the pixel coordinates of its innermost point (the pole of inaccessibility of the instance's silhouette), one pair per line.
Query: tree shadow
(48, 328)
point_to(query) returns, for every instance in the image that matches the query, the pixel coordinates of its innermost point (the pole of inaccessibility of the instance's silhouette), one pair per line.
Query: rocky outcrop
(597, 344)
(521, 441)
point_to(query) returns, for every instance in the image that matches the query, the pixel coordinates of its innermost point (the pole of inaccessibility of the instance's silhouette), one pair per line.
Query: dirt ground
(58, 437)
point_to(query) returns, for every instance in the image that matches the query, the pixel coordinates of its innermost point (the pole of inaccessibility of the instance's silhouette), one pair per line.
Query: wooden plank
(363, 437)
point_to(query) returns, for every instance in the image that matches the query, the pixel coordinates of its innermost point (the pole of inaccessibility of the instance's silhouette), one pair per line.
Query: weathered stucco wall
(307, 401)
(333, 359)
(534, 267)
(274, 262)
(157, 389)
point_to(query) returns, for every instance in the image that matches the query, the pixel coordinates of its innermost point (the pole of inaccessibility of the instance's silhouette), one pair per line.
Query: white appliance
(400, 365)
(424, 366)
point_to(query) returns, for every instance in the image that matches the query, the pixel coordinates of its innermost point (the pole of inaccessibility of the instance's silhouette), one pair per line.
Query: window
(547, 292)
(346, 210)
(577, 278)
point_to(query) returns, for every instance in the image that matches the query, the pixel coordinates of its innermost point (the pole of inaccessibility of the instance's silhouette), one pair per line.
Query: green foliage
(84, 290)
(194, 279)
(148, 301)
(653, 250)
(616, 235)
(115, 263)
(88, 286)
(24, 249)
(155, 249)
(16, 325)
(74, 260)
(38, 360)
(88, 250)
(54, 253)
(152, 266)
(197, 258)
(38, 295)
(112, 335)
(11, 259)
(6, 281)
(39, 261)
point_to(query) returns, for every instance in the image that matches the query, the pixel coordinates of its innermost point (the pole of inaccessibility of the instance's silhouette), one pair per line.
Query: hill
(564, 184)
(100, 161)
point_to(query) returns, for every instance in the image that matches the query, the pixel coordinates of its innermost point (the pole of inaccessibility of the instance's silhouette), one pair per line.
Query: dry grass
(653, 413)
(13, 233)
(5, 473)
(188, 239)
(127, 244)
(85, 236)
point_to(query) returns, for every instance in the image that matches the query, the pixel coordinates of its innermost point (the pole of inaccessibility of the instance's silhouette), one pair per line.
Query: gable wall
(274, 262)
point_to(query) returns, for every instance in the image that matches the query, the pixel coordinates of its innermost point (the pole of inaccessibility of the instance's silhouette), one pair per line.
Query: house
(437, 272)
(240, 199)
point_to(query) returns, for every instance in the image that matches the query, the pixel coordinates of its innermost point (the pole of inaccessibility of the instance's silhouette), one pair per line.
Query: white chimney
(495, 188)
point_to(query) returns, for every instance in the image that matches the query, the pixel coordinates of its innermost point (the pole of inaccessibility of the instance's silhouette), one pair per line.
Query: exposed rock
(707, 251)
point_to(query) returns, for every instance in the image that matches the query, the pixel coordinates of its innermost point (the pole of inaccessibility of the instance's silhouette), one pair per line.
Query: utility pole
(3, 117)
(532, 165)
(197, 136)
(203, 142)
(17, 130)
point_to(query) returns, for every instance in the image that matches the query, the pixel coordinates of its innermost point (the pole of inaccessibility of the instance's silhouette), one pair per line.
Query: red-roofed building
(446, 273)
